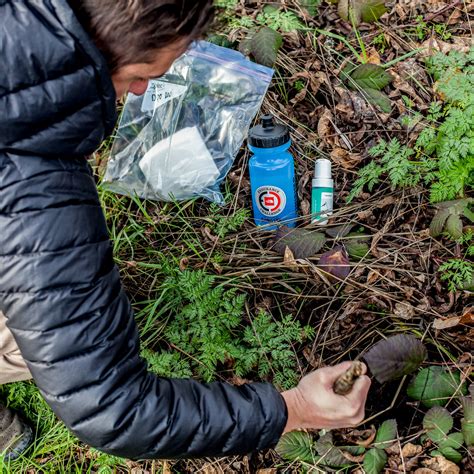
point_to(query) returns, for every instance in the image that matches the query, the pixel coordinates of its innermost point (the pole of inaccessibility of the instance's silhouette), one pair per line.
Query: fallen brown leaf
(404, 311)
(446, 323)
(352, 457)
(305, 208)
(453, 321)
(410, 450)
(442, 465)
(372, 277)
(432, 45)
(207, 233)
(325, 128)
(183, 264)
(345, 159)
(468, 316)
(373, 56)
(289, 259)
(336, 263)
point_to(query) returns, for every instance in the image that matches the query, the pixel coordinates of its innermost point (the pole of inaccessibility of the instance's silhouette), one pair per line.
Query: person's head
(142, 38)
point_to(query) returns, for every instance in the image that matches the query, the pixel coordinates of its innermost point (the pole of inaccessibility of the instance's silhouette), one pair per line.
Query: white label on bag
(159, 93)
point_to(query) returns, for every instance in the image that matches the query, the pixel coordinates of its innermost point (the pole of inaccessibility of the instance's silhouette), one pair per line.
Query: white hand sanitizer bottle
(323, 192)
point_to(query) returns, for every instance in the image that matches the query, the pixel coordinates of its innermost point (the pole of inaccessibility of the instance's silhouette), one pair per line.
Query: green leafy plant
(297, 446)
(211, 316)
(458, 273)
(303, 243)
(443, 155)
(395, 357)
(278, 19)
(357, 245)
(222, 225)
(435, 386)
(270, 348)
(376, 457)
(357, 11)
(448, 217)
(423, 30)
(386, 434)
(311, 6)
(167, 364)
(263, 45)
(438, 422)
(380, 42)
(369, 79)
(467, 422)
(323, 451)
(214, 335)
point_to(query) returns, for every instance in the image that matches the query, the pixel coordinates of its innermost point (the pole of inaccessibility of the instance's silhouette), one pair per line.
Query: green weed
(442, 157)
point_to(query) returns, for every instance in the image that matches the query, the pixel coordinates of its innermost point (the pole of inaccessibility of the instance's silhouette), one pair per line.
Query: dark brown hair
(130, 31)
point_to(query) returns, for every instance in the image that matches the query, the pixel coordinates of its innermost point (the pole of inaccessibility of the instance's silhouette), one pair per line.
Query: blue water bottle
(272, 174)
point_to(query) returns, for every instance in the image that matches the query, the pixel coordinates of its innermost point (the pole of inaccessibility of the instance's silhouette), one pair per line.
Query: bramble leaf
(378, 98)
(468, 214)
(395, 357)
(467, 422)
(302, 242)
(358, 248)
(331, 455)
(370, 76)
(339, 231)
(437, 422)
(386, 434)
(361, 10)
(438, 222)
(453, 440)
(374, 461)
(265, 45)
(296, 446)
(451, 454)
(467, 428)
(312, 6)
(435, 386)
(454, 226)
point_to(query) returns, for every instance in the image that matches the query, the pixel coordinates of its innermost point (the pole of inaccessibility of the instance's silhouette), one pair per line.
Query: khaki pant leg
(12, 366)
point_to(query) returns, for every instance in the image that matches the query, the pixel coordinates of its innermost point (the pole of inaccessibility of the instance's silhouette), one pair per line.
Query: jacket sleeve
(62, 296)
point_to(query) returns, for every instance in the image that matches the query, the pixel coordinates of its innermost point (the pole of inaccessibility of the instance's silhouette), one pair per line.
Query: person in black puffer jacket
(62, 66)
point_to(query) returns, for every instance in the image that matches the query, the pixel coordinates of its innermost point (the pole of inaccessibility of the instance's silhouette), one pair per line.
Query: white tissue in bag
(179, 166)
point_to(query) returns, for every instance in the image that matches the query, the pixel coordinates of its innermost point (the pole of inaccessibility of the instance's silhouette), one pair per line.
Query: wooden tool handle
(343, 385)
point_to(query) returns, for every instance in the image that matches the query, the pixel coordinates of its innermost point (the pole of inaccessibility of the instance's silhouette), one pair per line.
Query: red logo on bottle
(270, 200)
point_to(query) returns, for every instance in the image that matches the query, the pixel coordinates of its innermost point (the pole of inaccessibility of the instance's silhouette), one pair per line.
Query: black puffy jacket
(59, 288)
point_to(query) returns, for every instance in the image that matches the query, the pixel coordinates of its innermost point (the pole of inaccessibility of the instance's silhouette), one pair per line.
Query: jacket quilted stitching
(59, 287)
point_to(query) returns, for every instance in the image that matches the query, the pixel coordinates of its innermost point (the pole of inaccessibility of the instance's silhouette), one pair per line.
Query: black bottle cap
(268, 134)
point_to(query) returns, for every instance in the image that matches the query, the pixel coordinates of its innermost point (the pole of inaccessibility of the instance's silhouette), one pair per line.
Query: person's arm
(66, 307)
(61, 293)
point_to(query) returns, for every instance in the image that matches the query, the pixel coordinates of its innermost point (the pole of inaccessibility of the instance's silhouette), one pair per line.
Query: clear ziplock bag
(180, 139)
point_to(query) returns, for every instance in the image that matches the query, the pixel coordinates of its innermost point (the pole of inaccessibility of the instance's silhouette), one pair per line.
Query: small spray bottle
(323, 192)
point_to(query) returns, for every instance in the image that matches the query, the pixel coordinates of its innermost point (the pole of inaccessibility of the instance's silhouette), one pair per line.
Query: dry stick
(346, 381)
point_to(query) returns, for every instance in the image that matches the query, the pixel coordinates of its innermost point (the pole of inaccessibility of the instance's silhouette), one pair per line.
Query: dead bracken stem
(346, 381)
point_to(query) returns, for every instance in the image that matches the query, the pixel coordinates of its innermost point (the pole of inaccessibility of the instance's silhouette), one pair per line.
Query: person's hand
(314, 405)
